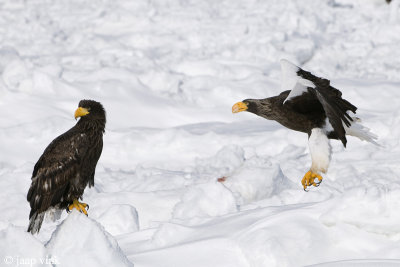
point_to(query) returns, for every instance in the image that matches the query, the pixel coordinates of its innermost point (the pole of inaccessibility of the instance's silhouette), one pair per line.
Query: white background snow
(167, 73)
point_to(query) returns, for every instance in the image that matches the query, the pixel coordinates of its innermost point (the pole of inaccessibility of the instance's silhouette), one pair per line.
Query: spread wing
(310, 93)
(59, 163)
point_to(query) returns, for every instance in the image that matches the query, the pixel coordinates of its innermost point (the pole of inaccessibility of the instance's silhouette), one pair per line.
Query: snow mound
(17, 245)
(257, 179)
(365, 210)
(120, 219)
(205, 200)
(224, 163)
(81, 241)
(16, 76)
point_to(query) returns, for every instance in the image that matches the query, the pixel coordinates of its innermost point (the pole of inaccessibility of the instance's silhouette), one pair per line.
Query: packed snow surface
(168, 73)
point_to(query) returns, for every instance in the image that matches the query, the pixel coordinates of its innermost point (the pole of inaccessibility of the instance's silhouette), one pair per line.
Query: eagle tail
(53, 214)
(35, 222)
(363, 133)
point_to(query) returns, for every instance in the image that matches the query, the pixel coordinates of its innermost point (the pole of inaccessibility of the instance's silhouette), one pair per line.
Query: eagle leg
(308, 179)
(81, 207)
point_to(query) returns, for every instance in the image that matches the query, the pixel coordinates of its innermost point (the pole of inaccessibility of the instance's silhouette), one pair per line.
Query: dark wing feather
(334, 105)
(52, 173)
(335, 112)
(324, 98)
(306, 103)
(91, 160)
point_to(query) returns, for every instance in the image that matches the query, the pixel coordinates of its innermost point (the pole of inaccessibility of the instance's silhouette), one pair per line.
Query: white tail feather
(53, 214)
(361, 132)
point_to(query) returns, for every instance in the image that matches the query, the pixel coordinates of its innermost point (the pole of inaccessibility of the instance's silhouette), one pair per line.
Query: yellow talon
(81, 207)
(308, 179)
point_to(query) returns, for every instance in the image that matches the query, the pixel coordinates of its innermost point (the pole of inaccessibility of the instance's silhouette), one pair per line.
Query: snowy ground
(168, 72)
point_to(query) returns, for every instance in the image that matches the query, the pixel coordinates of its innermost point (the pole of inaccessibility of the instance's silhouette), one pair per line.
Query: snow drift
(81, 241)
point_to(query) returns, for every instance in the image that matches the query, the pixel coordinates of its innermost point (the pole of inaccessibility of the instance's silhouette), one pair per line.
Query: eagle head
(250, 105)
(90, 109)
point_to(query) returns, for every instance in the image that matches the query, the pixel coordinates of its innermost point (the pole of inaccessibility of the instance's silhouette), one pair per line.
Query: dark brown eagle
(311, 105)
(67, 165)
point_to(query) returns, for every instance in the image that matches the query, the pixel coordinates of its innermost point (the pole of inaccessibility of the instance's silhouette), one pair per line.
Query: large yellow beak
(79, 112)
(238, 107)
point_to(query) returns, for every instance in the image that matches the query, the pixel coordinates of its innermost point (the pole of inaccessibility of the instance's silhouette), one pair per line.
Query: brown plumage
(67, 165)
(309, 110)
(311, 105)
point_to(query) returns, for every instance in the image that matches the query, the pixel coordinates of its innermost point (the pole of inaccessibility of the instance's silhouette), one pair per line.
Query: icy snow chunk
(81, 241)
(42, 82)
(227, 159)
(18, 246)
(205, 200)
(170, 234)
(7, 54)
(373, 210)
(303, 48)
(120, 219)
(199, 68)
(161, 81)
(257, 179)
(16, 75)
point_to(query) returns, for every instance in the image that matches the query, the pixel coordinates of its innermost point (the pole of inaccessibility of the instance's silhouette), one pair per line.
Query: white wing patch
(291, 81)
(320, 150)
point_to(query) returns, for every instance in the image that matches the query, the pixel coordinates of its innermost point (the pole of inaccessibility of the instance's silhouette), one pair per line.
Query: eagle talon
(308, 180)
(81, 207)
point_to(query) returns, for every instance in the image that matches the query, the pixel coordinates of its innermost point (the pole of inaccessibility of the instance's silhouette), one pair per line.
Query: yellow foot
(81, 207)
(308, 179)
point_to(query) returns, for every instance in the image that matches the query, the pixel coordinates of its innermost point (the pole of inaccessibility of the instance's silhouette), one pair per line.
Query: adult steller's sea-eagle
(67, 165)
(311, 105)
